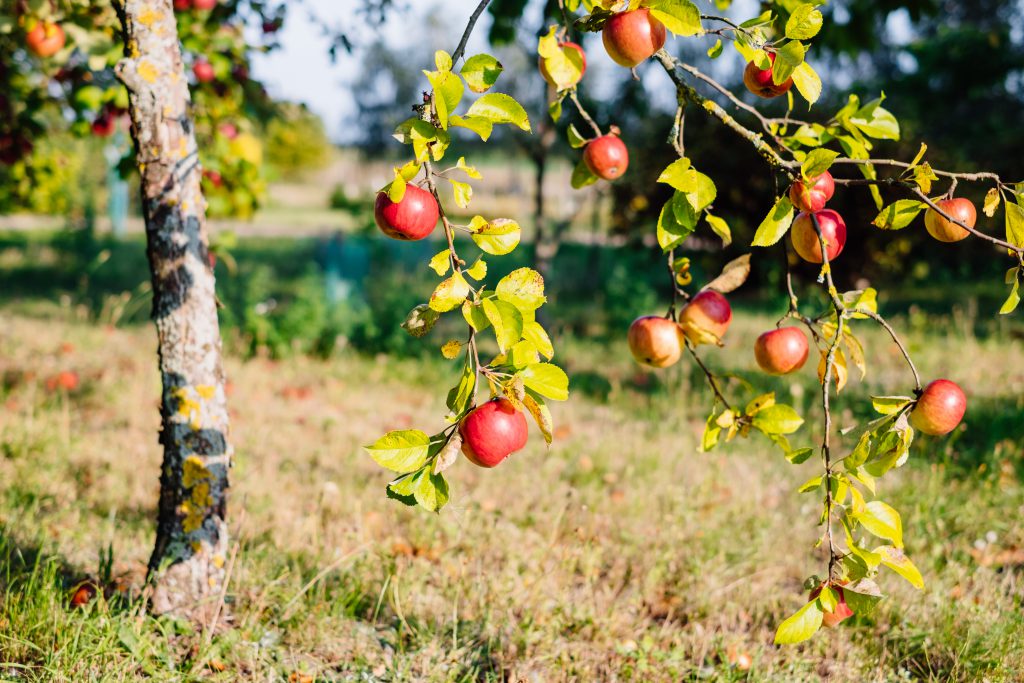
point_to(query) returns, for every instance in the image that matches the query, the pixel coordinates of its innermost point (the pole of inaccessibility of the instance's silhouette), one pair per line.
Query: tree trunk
(187, 565)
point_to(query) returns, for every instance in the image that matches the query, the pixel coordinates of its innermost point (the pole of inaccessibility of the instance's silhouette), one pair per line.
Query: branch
(461, 49)
(977, 233)
(903, 349)
(711, 377)
(583, 112)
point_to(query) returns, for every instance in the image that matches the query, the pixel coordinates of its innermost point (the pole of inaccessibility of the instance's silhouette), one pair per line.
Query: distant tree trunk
(187, 565)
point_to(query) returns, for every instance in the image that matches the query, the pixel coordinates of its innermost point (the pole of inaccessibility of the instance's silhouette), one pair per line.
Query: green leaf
(715, 51)
(671, 230)
(396, 188)
(475, 316)
(778, 419)
(477, 271)
(443, 61)
(448, 90)
(681, 17)
(775, 224)
(470, 171)
(1010, 305)
(575, 139)
(564, 65)
(538, 336)
(876, 122)
(889, 405)
(481, 72)
(441, 262)
(787, 59)
(507, 321)
(804, 22)
(497, 237)
(462, 192)
(801, 626)
(500, 108)
(582, 176)
(420, 320)
(817, 162)
(899, 214)
(523, 288)
(541, 413)
(811, 484)
(478, 124)
(711, 433)
(401, 451)
(676, 175)
(450, 293)
(720, 228)
(703, 193)
(800, 455)
(1014, 224)
(896, 560)
(547, 380)
(431, 490)
(883, 521)
(461, 395)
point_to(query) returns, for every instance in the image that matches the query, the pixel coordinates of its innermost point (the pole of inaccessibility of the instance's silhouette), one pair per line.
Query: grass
(620, 554)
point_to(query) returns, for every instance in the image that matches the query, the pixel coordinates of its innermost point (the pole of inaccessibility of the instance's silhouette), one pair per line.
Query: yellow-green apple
(781, 351)
(574, 53)
(606, 156)
(939, 409)
(805, 238)
(492, 432)
(841, 613)
(945, 230)
(632, 36)
(413, 218)
(655, 341)
(708, 312)
(45, 39)
(760, 82)
(812, 195)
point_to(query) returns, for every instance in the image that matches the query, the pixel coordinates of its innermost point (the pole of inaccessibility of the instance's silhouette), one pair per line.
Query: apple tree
(808, 156)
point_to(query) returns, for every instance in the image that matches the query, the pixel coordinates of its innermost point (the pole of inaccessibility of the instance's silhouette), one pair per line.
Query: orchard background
(634, 547)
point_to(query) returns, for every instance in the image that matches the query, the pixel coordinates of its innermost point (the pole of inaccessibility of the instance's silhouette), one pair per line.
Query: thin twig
(583, 113)
(461, 49)
(711, 377)
(903, 349)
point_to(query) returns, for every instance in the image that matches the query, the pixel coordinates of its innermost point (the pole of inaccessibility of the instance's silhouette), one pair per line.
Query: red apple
(631, 37)
(781, 351)
(413, 218)
(228, 130)
(492, 432)
(814, 195)
(103, 125)
(841, 613)
(203, 71)
(805, 239)
(946, 230)
(45, 39)
(606, 157)
(939, 409)
(655, 341)
(83, 594)
(575, 54)
(182, 5)
(215, 178)
(204, 4)
(759, 81)
(708, 311)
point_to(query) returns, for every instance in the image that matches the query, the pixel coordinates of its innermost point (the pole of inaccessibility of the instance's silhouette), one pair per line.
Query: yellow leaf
(839, 371)
(451, 349)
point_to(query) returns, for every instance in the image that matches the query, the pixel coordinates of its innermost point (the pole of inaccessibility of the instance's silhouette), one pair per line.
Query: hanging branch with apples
(519, 377)
(801, 153)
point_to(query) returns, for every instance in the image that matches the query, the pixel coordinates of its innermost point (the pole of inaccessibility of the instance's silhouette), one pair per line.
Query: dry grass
(621, 554)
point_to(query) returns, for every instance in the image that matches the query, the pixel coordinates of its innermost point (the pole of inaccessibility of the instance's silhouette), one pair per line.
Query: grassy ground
(621, 554)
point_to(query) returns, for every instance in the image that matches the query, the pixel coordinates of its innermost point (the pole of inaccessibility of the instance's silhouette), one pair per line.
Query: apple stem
(583, 113)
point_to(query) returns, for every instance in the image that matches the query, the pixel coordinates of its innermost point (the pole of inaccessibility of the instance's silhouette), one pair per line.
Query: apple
(203, 71)
(215, 178)
(945, 230)
(760, 82)
(103, 125)
(580, 61)
(805, 238)
(655, 341)
(709, 311)
(492, 432)
(413, 218)
(814, 195)
(841, 613)
(45, 39)
(182, 5)
(204, 4)
(939, 409)
(271, 26)
(632, 36)
(606, 157)
(781, 351)
(228, 130)
(83, 594)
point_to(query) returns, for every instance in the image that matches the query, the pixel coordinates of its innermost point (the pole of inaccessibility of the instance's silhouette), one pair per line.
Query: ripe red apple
(581, 61)
(759, 81)
(413, 218)
(708, 311)
(841, 613)
(631, 37)
(45, 39)
(492, 432)
(182, 5)
(946, 230)
(805, 239)
(813, 196)
(606, 157)
(83, 594)
(781, 351)
(203, 71)
(228, 130)
(103, 125)
(204, 4)
(939, 409)
(215, 178)
(655, 341)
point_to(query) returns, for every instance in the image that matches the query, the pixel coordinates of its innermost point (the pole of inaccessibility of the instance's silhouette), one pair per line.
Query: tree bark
(186, 569)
